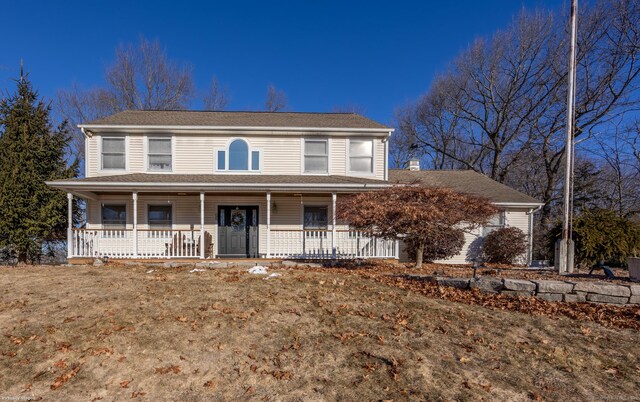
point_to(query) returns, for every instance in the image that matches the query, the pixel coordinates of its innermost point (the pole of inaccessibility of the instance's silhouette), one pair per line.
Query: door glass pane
(113, 161)
(238, 155)
(113, 145)
(315, 164)
(238, 219)
(360, 148)
(360, 164)
(221, 219)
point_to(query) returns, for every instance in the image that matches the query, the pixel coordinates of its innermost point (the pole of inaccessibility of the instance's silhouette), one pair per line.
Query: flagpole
(564, 253)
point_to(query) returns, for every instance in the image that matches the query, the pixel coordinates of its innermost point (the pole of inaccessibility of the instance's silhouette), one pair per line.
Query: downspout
(386, 156)
(86, 152)
(530, 252)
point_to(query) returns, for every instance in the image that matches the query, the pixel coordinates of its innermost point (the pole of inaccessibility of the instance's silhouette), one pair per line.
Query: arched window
(239, 156)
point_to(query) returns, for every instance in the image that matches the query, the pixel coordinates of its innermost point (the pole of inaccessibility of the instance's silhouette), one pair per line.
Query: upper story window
(238, 157)
(113, 153)
(361, 156)
(159, 154)
(316, 156)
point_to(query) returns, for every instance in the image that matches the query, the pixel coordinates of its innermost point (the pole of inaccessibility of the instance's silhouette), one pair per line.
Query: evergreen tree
(32, 150)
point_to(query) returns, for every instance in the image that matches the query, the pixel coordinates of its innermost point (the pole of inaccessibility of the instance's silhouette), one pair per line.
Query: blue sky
(323, 54)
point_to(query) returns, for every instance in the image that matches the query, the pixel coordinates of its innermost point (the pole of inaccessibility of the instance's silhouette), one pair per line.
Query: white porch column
(70, 250)
(202, 242)
(135, 224)
(333, 224)
(268, 224)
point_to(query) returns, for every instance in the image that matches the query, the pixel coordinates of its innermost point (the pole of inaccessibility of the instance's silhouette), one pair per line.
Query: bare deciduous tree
(216, 97)
(276, 99)
(142, 77)
(501, 107)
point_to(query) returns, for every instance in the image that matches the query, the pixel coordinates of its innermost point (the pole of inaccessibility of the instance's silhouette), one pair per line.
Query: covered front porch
(149, 225)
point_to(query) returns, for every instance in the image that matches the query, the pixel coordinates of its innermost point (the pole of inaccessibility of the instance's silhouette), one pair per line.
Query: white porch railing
(318, 244)
(299, 244)
(119, 243)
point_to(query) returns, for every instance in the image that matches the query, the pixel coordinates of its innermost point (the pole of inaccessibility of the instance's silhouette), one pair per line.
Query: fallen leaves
(102, 351)
(172, 368)
(395, 275)
(60, 381)
(61, 364)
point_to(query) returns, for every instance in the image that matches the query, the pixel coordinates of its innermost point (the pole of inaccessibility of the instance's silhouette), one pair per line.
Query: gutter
(88, 128)
(530, 213)
(198, 186)
(537, 205)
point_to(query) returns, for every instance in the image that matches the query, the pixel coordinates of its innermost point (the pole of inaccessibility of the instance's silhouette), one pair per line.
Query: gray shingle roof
(464, 181)
(237, 119)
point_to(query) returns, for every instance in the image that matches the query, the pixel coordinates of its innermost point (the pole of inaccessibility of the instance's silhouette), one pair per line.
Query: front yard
(113, 333)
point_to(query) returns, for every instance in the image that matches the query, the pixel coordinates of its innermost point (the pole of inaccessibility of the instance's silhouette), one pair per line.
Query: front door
(237, 231)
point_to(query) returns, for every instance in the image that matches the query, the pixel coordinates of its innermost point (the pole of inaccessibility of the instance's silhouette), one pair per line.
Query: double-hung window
(159, 154)
(114, 220)
(113, 153)
(159, 218)
(316, 156)
(497, 221)
(361, 156)
(315, 221)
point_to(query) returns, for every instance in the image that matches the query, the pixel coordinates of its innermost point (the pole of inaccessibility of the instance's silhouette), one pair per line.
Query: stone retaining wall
(566, 291)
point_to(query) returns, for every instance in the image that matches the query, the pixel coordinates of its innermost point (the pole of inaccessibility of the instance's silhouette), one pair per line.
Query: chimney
(414, 164)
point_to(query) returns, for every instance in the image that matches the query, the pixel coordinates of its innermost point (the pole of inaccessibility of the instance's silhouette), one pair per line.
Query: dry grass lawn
(115, 333)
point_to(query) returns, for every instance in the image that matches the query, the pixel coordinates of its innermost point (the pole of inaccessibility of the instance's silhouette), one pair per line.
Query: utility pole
(564, 254)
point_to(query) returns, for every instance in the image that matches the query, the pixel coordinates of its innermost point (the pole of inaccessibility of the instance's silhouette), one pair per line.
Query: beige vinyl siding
(92, 158)
(378, 158)
(197, 154)
(517, 217)
(338, 156)
(135, 157)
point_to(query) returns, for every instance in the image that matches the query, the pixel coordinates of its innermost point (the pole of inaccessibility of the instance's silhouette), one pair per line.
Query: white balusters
(317, 244)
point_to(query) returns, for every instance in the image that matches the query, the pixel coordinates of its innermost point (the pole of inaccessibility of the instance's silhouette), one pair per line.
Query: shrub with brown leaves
(504, 245)
(418, 215)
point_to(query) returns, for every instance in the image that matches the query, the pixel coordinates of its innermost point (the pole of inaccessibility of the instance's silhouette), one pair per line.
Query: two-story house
(190, 184)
